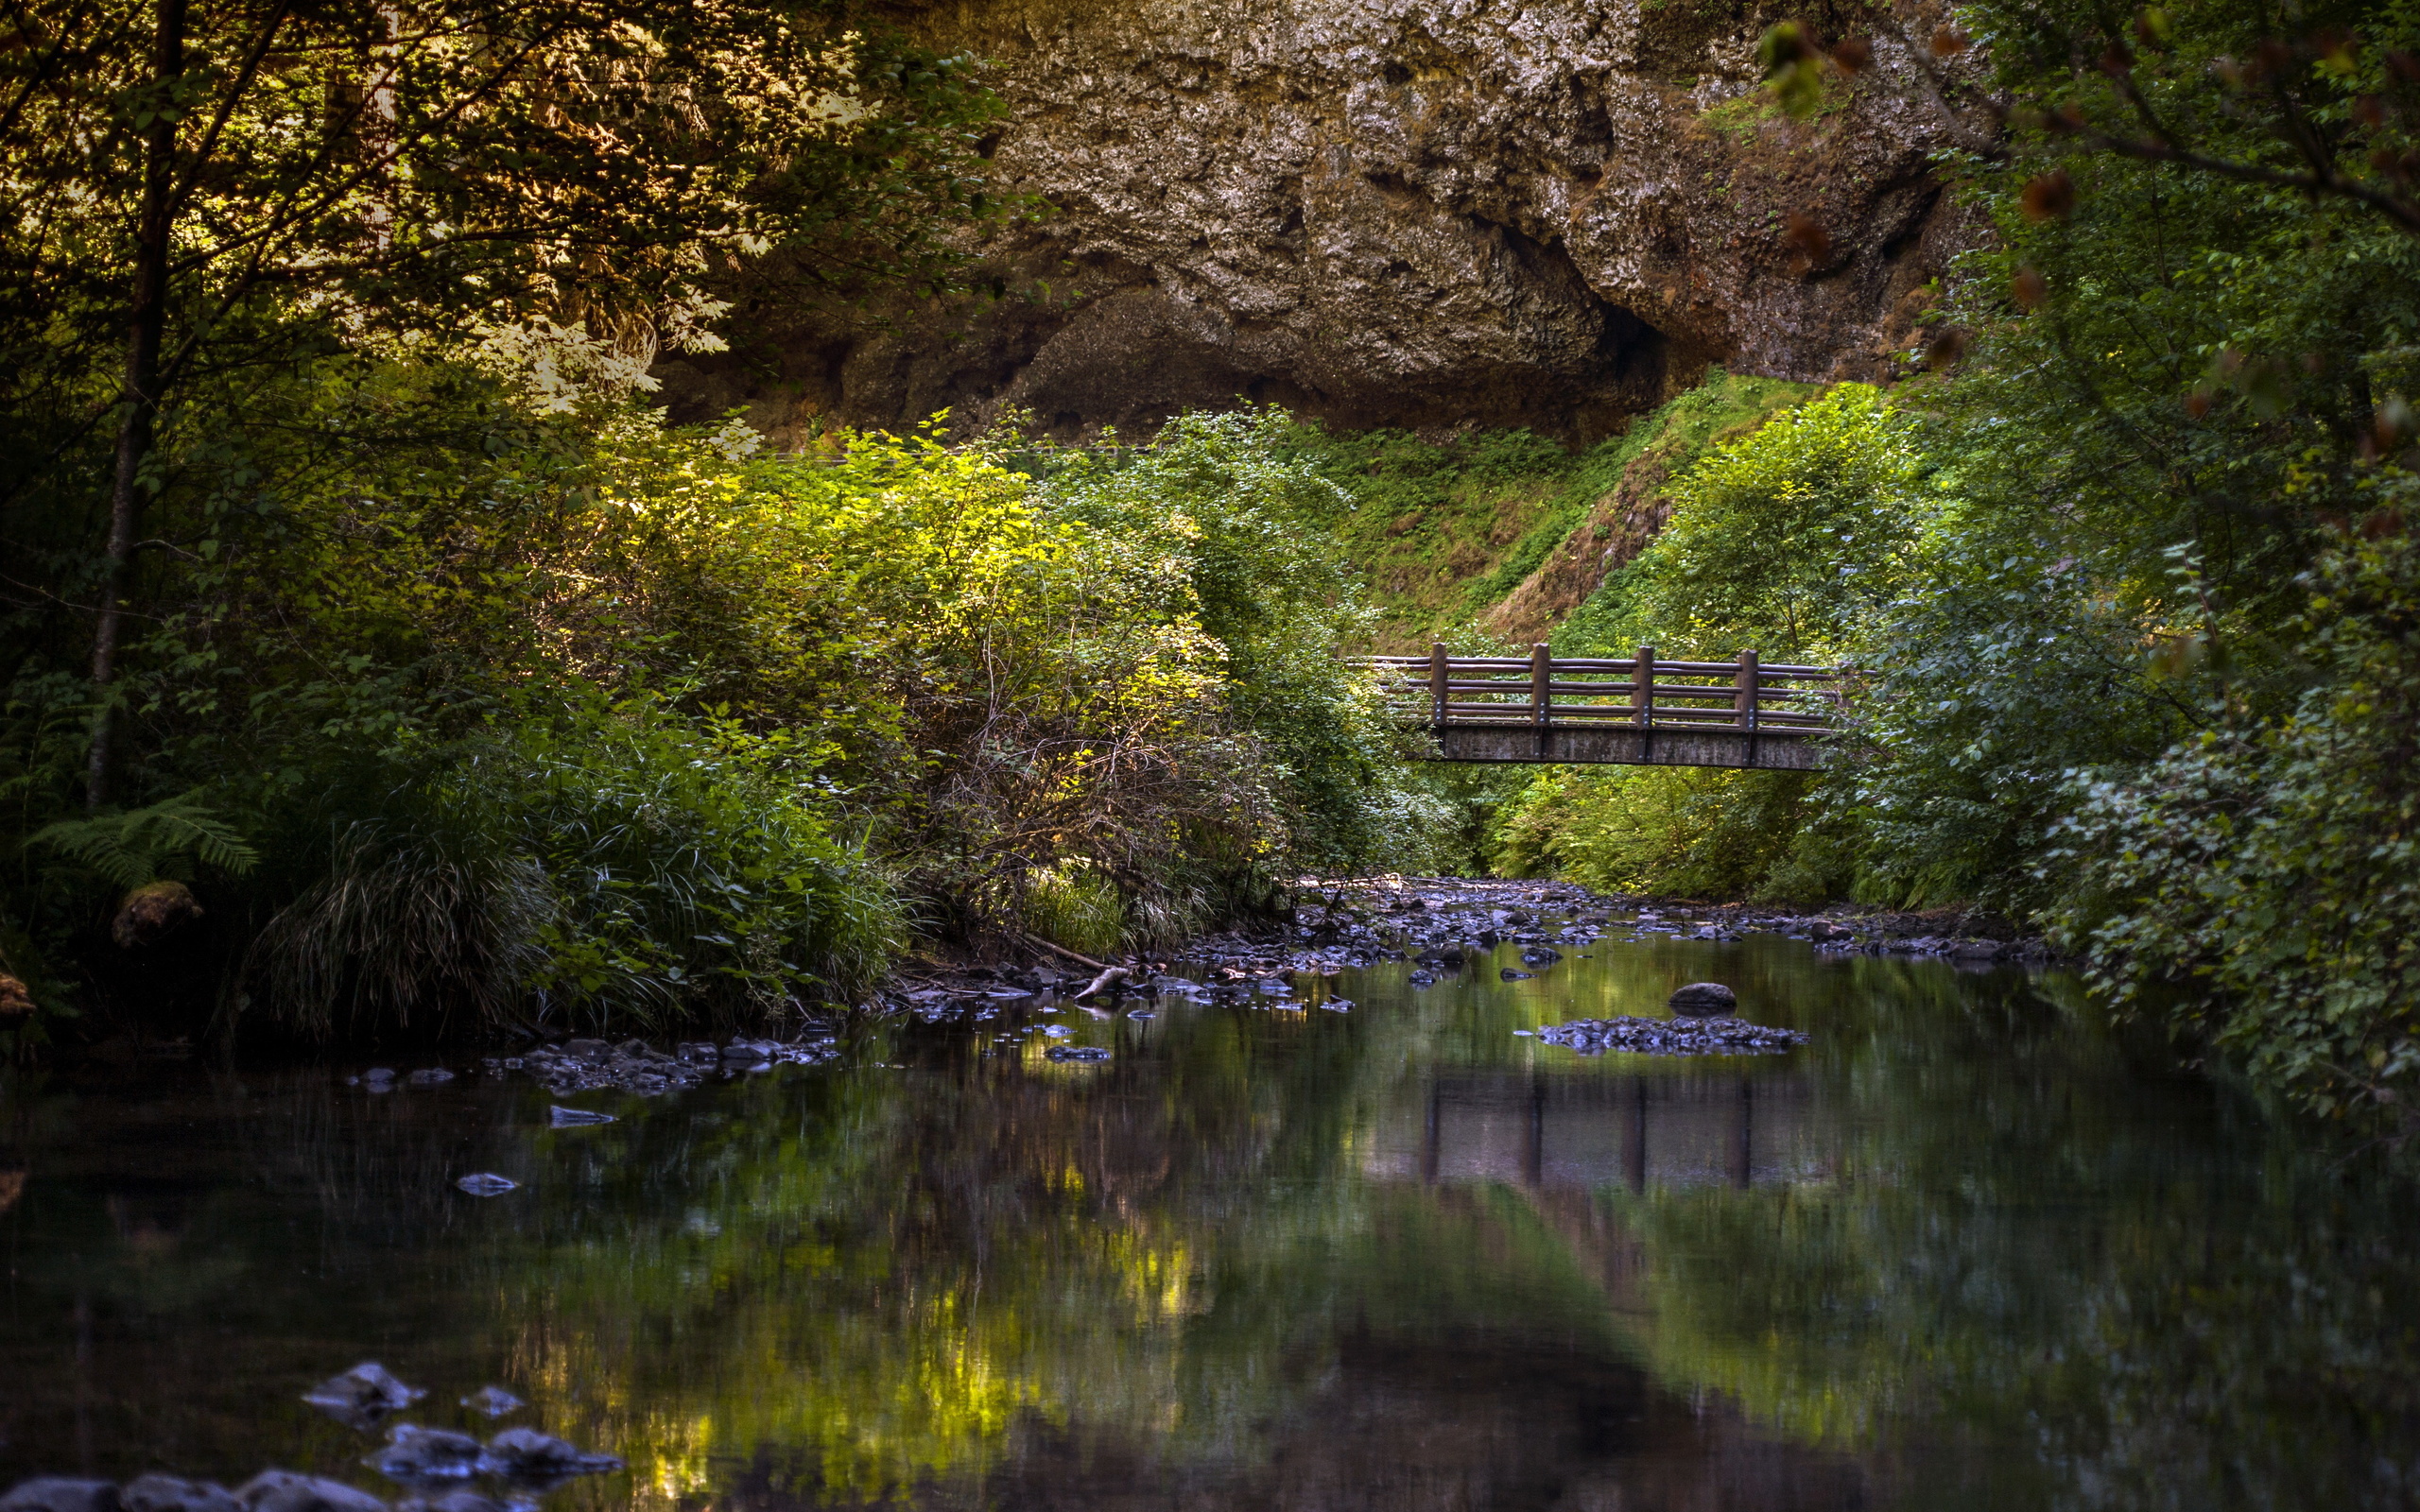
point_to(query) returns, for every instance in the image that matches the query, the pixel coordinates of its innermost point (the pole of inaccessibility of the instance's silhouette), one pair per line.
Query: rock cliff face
(1423, 213)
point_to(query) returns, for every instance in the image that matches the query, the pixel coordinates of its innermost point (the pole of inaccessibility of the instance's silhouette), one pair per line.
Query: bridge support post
(1743, 697)
(1642, 699)
(1441, 674)
(1541, 693)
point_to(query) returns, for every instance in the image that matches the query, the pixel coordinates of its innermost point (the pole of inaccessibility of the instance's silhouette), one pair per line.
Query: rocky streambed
(438, 1466)
(1441, 926)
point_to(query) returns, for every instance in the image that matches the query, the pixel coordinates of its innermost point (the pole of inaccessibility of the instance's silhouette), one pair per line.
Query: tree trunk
(147, 322)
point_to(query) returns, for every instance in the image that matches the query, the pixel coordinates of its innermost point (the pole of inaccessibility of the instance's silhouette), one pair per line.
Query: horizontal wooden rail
(1612, 689)
(1622, 664)
(1720, 712)
(1519, 714)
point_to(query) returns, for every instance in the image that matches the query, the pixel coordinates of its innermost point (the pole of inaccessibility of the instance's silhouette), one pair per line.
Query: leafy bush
(1250, 526)
(1783, 539)
(1674, 832)
(631, 867)
(2268, 869)
(557, 700)
(1992, 679)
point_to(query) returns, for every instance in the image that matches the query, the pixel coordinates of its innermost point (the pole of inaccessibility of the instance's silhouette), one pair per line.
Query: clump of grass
(635, 868)
(1074, 904)
(403, 923)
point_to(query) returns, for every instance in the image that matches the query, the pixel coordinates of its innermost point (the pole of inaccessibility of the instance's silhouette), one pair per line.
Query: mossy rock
(153, 912)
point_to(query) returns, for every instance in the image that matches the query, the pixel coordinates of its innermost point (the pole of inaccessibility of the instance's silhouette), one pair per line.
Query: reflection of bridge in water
(1582, 1132)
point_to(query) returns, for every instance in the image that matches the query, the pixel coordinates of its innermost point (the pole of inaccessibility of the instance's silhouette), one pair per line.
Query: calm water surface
(1968, 1249)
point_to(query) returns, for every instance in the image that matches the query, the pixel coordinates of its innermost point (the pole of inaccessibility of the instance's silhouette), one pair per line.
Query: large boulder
(1705, 1000)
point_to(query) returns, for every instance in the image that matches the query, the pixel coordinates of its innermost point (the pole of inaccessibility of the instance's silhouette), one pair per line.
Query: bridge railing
(1643, 691)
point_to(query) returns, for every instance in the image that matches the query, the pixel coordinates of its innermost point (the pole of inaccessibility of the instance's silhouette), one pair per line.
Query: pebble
(487, 1184)
(494, 1401)
(635, 1066)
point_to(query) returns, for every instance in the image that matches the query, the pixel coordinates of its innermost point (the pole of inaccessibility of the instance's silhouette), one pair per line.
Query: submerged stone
(452, 1502)
(526, 1454)
(286, 1491)
(52, 1493)
(166, 1493)
(560, 1117)
(417, 1453)
(487, 1184)
(364, 1394)
(493, 1400)
(1671, 1036)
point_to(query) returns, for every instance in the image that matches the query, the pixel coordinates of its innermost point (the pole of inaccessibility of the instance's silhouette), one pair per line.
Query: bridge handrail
(1529, 687)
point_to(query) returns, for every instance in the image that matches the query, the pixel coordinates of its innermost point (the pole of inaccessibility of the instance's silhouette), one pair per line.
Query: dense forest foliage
(377, 652)
(2124, 563)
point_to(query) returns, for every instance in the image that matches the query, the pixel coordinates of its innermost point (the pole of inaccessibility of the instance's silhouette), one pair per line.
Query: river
(1969, 1248)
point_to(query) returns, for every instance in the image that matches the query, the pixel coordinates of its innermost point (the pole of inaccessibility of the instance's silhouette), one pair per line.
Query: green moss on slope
(1495, 533)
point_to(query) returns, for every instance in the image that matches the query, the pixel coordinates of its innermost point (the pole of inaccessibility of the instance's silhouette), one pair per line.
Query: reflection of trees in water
(194, 1248)
(2118, 1288)
(1138, 1283)
(1383, 1259)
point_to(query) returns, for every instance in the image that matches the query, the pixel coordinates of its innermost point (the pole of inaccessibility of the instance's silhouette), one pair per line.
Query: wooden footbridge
(1628, 710)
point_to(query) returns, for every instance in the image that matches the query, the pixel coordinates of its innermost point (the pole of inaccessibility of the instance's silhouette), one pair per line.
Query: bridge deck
(1623, 711)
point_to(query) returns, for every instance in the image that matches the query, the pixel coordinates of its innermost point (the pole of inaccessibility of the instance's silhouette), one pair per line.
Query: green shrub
(1783, 540)
(1674, 832)
(1075, 906)
(634, 868)
(2268, 870)
(1224, 501)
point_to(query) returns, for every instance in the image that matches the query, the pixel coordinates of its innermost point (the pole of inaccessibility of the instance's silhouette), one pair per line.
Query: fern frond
(178, 826)
(96, 844)
(127, 849)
